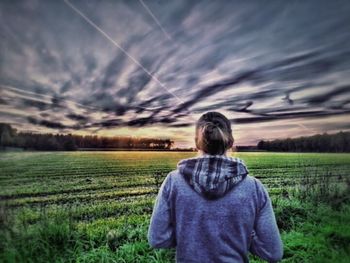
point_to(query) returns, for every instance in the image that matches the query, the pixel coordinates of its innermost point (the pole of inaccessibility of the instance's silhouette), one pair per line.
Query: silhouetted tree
(7, 135)
(70, 142)
(339, 142)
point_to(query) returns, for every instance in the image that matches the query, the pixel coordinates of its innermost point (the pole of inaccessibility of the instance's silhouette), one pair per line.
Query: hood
(213, 176)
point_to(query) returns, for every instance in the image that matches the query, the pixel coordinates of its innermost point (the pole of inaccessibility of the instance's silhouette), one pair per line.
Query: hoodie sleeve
(266, 240)
(161, 231)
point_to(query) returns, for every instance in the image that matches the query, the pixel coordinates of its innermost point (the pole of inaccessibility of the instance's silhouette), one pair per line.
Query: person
(210, 209)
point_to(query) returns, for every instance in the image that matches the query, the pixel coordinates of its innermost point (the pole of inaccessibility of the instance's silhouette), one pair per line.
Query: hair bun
(209, 126)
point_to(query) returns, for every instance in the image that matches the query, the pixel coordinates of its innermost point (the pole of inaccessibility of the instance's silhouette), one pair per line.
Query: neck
(201, 153)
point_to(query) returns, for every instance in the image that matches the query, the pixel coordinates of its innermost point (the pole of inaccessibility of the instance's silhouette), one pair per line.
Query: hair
(213, 133)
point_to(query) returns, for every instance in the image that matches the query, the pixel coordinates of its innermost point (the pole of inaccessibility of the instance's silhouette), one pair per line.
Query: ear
(231, 143)
(196, 141)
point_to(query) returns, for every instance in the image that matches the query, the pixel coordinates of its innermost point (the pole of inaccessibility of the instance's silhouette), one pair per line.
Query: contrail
(121, 48)
(306, 128)
(155, 19)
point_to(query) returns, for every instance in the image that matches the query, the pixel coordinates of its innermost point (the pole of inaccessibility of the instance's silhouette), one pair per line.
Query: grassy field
(95, 206)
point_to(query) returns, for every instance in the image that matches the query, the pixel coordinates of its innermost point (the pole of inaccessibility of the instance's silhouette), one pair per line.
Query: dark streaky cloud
(261, 63)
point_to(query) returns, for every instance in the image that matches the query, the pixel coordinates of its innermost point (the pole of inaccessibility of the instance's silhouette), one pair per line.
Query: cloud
(289, 115)
(280, 62)
(77, 117)
(46, 123)
(328, 95)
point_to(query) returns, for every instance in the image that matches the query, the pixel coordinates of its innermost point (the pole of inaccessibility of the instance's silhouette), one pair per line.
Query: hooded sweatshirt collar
(213, 176)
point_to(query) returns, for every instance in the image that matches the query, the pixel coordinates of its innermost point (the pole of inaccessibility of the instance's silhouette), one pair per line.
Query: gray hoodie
(211, 210)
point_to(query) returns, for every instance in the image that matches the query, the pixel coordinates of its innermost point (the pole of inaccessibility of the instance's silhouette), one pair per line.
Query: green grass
(95, 206)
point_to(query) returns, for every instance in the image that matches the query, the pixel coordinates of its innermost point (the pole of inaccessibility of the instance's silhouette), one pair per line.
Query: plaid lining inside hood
(213, 175)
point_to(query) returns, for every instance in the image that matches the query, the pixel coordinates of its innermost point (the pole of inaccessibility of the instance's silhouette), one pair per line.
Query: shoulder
(255, 187)
(261, 191)
(258, 185)
(174, 180)
(170, 184)
(252, 182)
(172, 177)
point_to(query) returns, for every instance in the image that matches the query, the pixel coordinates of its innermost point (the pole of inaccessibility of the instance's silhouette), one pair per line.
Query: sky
(146, 68)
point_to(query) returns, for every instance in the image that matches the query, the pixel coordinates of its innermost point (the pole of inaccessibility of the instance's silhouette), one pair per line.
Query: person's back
(211, 210)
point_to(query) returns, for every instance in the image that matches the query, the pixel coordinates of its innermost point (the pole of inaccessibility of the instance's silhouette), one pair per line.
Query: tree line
(9, 137)
(339, 142)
